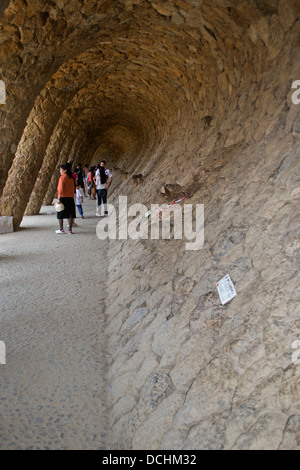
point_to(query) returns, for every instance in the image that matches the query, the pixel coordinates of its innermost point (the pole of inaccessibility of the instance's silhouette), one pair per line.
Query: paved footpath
(52, 319)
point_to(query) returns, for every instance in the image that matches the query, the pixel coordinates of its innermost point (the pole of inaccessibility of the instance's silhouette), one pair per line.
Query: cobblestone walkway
(52, 387)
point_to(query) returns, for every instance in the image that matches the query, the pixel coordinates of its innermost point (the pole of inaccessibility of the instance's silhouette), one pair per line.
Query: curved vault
(197, 93)
(155, 66)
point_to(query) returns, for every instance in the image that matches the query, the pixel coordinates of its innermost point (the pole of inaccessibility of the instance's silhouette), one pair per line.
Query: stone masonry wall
(178, 95)
(185, 371)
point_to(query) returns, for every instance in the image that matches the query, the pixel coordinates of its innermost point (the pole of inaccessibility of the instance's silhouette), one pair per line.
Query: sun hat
(59, 206)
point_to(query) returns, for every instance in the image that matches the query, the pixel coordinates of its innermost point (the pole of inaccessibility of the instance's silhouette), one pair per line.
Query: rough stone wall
(185, 371)
(195, 94)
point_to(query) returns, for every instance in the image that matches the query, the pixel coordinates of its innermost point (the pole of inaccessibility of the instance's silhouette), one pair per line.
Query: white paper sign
(2, 353)
(226, 289)
(2, 92)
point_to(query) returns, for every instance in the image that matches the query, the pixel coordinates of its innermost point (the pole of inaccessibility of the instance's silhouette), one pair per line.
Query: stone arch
(195, 94)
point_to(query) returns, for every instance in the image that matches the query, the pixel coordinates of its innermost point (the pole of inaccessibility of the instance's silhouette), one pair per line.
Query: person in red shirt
(91, 183)
(65, 195)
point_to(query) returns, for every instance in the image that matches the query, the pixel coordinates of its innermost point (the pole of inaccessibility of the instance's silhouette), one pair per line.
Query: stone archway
(189, 94)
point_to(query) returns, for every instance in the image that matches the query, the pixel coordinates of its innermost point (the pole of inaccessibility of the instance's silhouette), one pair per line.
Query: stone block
(6, 224)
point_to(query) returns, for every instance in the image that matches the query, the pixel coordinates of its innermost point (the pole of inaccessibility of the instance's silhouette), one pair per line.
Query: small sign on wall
(226, 289)
(2, 353)
(2, 92)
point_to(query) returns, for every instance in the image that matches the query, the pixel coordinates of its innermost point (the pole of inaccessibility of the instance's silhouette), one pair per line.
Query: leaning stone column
(45, 174)
(60, 144)
(20, 100)
(52, 188)
(30, 153)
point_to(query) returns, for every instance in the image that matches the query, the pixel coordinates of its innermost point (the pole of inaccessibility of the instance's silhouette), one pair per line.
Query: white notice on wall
(2, 92)
(226, 289)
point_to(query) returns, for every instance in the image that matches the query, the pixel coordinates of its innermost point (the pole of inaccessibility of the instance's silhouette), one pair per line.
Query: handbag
(59, 207)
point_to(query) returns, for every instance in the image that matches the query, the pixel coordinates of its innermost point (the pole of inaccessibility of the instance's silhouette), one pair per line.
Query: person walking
(79, 174)
(65, 195)
(107, 172)
(101, 188)
(108, 183)
(79, 199)
(91, 183)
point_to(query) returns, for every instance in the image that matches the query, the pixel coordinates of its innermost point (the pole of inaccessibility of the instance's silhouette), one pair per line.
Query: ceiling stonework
(192, 95)
(145, 65)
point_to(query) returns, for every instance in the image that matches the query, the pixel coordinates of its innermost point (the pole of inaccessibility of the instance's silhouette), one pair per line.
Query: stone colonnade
(189, 93)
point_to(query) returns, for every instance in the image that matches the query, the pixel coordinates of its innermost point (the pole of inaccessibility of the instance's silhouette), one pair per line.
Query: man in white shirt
(107, 172)
(102, 188)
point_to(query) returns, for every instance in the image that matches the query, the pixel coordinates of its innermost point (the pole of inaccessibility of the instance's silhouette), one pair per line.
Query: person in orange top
(65, 195)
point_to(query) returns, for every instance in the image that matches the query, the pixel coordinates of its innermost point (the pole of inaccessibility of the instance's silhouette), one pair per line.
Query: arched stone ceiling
(137, 67)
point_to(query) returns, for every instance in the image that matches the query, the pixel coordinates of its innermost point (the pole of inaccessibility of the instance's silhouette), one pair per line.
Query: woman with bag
(65, 195)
